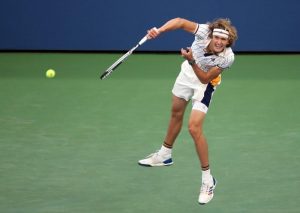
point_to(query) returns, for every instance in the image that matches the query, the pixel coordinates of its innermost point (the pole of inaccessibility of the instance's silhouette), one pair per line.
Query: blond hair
(224, 24)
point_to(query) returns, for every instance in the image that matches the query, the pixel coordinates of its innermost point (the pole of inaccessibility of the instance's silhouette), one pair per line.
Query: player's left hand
(187, 53)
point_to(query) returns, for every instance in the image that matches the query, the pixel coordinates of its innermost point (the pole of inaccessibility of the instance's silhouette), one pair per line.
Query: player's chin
(219, 49)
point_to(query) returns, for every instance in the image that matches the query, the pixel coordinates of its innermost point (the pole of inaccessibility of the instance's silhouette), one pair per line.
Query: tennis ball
(50, 73)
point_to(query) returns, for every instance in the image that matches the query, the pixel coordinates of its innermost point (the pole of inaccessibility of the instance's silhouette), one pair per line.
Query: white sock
(165, 151)
(206, 177)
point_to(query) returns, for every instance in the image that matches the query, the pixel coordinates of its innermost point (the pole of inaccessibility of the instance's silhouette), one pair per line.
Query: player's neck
(208, 51)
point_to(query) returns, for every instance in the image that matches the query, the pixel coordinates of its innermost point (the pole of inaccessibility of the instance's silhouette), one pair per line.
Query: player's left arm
(204, 77)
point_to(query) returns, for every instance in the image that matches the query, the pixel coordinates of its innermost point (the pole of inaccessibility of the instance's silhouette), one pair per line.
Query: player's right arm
(173, 24)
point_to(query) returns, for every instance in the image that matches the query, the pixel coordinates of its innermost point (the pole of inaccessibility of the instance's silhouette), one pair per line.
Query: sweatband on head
(221, 33)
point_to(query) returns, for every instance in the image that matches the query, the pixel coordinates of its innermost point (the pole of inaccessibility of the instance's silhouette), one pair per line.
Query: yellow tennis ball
(50, 73)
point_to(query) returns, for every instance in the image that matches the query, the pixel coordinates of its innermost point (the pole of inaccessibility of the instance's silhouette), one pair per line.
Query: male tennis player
(209, 55)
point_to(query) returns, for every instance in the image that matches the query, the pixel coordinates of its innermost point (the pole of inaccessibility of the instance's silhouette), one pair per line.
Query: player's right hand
(153, 33)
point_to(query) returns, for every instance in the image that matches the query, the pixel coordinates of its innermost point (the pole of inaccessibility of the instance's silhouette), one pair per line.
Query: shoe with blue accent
(157, 159)
(207, 192)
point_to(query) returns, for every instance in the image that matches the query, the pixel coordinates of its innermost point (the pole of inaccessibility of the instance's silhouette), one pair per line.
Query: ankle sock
(206, 176)
(165, 151)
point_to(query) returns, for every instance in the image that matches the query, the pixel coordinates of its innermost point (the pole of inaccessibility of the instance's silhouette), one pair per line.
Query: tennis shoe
(157, 159)
(207, 192)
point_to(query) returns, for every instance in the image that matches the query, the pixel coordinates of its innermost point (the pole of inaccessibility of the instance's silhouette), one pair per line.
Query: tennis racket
(122, 59)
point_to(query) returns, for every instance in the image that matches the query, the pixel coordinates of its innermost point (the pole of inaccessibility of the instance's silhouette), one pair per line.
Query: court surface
(71, 144)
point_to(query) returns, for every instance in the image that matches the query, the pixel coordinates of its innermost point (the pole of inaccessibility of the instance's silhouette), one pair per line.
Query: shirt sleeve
(201, 31)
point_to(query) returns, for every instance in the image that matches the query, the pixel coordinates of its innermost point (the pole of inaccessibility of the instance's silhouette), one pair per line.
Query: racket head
(122, 59)
(104, 75)
(107, 72)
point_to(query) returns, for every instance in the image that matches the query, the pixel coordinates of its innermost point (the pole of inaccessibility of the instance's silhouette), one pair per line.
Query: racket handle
(146, 37)
(143, 40)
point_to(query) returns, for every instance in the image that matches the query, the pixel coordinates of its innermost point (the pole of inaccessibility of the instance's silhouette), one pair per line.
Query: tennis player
(209, 55)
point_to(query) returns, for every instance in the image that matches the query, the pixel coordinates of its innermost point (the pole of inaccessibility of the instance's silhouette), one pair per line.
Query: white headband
(221, 33)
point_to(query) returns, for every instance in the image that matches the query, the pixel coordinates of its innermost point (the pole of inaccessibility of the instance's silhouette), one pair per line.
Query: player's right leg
(175, 123)
(182, 93)
(163, 157)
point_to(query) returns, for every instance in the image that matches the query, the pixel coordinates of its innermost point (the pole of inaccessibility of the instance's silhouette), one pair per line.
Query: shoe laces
(206, 188)
(154, 154)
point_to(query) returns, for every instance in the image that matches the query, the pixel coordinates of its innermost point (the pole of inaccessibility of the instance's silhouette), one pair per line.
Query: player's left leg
(196, 121)
(196, 130)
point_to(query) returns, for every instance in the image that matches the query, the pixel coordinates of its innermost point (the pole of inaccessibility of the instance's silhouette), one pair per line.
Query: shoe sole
(167, 162)
(155, 165)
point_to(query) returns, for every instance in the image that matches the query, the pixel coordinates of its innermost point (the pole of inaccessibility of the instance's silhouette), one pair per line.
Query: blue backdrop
(106, 25)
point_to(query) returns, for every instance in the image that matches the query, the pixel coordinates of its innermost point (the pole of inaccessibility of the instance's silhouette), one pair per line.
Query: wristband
(192, 62)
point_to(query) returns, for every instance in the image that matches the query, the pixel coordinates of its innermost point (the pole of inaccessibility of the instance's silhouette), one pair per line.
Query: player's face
(218, 43)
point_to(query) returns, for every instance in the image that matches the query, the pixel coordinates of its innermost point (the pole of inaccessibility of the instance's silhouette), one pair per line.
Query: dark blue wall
(96, 25)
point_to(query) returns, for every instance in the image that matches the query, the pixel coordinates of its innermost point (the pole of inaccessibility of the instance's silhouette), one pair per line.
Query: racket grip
(143, 40)
(146, 37)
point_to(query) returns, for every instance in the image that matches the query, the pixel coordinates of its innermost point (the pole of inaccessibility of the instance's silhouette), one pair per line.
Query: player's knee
(195, 129)
(177, 114)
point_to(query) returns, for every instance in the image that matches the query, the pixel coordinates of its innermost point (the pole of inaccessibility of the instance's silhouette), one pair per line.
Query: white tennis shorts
(189, 87)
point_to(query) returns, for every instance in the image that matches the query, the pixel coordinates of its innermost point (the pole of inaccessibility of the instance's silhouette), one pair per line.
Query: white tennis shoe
(207, 192)
(156, 159)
